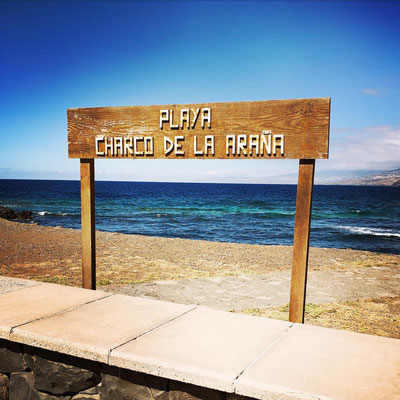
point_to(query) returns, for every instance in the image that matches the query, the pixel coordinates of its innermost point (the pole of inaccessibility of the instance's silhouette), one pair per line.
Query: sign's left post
(88, 224)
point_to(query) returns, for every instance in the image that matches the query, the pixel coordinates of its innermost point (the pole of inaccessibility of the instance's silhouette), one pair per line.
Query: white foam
(360, 230)
(50, 213)
(43, 213)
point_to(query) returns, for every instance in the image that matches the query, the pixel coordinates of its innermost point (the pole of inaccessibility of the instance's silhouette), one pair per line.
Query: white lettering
(195, 116)
(128, 145)
(168, 145)
(178, 146)
(137, 139)
(171, 122)
(118, 146)
(266, 142)
(164, 117)
(185, 117)
(278, 142)
(230, 144)
(206, 116)
(196, 152)
(109, 146)
(209, 144)
(254, 143)
(241, 144)
(98, 140)
(149, 146)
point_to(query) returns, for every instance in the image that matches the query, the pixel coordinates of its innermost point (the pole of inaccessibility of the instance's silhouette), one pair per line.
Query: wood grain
(303, 122)
(301, 240)
(88, 225)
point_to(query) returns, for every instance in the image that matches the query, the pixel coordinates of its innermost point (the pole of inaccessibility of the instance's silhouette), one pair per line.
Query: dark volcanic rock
(83, 396)
(132, 385)
(3, 387)
(22, 387)
(185, 391)
(46, 396)
(24, 214)
(11, 359)
(58, 378)
(7, 213)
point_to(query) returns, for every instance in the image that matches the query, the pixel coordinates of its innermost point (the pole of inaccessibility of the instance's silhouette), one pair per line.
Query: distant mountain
(385, 178)
(346, 177)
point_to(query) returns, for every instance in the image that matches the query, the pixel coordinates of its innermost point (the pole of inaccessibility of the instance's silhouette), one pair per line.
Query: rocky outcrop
(8, 213)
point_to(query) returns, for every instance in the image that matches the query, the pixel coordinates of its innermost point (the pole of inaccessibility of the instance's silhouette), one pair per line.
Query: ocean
(357, 217)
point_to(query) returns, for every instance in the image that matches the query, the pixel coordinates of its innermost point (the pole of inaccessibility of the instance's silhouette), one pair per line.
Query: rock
(58, 378)
(7, 213)
(46, 396)
(11, 359)
(22, 387)
(83, 396)
(234, 396)
(397, 183)
(131, 385)
(92, 390)
(24, 214)
(3, 387)
(185, 391)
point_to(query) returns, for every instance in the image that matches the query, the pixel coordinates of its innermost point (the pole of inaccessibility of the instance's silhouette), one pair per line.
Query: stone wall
(29, 373)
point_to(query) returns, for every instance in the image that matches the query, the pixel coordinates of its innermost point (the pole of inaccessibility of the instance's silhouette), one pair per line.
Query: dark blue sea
(357, 217)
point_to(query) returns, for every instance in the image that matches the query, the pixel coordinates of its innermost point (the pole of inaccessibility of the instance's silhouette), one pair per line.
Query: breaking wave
(369, 231)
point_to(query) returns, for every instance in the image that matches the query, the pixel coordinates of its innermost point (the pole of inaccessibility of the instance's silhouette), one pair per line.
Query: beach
(53, 254)
(237, 277)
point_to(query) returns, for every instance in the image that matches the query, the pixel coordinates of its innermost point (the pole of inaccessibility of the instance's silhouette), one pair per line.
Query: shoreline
(54, 254)
(98, 231)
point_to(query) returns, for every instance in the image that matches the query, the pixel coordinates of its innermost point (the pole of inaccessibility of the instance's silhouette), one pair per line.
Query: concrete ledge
(204, 347)
(325, 364)
(31, 303)
(93, 330)
(225, 352)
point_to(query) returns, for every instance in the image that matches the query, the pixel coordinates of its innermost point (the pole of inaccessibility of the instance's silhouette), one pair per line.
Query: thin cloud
(373, 147)
(372, 92)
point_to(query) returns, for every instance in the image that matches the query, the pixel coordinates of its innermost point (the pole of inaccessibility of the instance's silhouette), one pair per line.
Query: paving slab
(92, 330)
(310, 362)
(8, 284)
(38, 301)
(204, 347)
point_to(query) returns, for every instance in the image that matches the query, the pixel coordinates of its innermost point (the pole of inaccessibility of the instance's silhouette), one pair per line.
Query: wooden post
(301, 240)
(88, 224)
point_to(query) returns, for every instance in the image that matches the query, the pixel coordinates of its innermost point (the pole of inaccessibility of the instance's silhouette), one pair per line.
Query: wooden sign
(243, 130)
(240, 130)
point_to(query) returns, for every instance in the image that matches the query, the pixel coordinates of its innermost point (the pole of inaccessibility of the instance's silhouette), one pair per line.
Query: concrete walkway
(234, 353)
(270, 290)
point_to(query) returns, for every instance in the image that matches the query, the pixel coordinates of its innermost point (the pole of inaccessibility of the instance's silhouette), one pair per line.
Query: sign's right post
(301, 240)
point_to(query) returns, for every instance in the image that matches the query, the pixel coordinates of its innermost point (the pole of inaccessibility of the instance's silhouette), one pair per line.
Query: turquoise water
(357, 217)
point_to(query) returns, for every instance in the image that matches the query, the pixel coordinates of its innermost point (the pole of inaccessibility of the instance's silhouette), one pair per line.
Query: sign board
(240, 130)
(230, 131)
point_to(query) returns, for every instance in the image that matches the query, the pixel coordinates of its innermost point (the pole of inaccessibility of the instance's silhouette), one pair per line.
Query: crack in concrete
(147, 332)
(269, 347)
(58, 313)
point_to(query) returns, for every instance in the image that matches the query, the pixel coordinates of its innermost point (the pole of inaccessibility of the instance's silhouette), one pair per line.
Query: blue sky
(56, 55)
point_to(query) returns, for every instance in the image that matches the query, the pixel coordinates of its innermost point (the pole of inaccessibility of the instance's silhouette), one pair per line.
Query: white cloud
(374, 147)
(372, 92)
